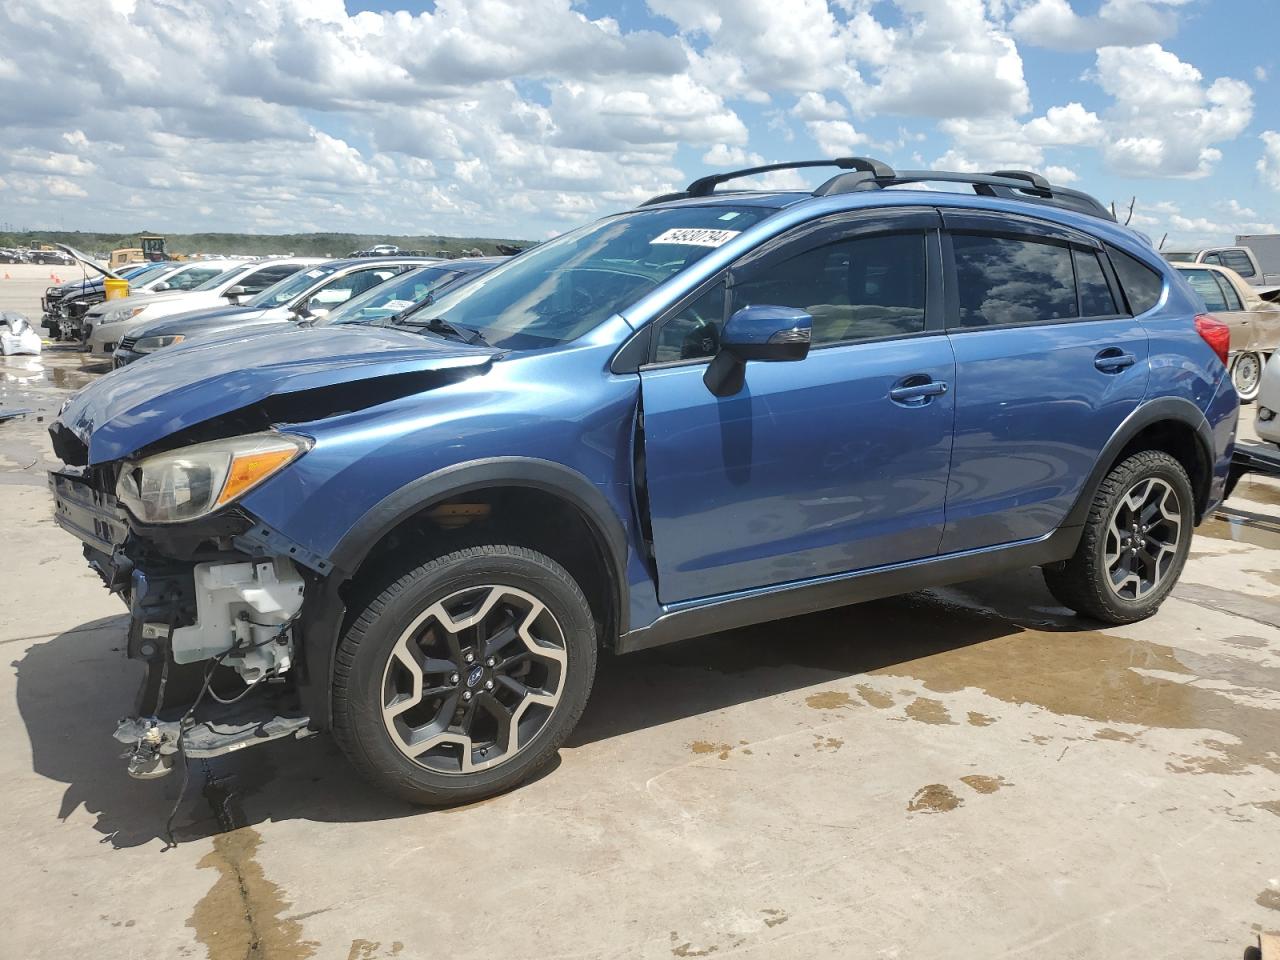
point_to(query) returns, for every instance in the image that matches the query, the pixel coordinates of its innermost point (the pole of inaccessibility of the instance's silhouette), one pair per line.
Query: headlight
(120, 313)
(147, 344)
(193, 481)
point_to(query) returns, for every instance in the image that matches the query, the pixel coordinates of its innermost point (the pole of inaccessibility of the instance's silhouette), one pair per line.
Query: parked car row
(393, 290)
(25, 255)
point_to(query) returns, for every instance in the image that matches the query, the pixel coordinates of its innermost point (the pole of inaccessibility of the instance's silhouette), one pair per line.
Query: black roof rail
(1006, 184)
(705, 186)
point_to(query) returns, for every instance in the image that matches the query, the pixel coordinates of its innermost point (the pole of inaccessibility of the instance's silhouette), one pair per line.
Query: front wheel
(465, 675)
(1135, 542)
(1246, 375)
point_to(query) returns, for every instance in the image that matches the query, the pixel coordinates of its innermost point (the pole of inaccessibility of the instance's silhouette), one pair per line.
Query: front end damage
(213, 614)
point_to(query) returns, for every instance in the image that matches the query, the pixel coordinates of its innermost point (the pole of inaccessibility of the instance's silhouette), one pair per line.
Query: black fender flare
(1176, 409)
(324, 612)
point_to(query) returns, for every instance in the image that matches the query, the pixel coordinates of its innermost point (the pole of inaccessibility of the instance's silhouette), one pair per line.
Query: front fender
(325, 611)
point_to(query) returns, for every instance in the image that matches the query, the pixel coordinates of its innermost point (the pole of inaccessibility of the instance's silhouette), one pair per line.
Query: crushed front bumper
(182, 593)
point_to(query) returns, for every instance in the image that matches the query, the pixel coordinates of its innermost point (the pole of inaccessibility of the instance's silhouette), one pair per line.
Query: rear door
(1048, 365)
(813, 468)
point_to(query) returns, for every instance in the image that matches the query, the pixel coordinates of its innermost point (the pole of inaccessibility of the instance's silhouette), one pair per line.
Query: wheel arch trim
(324, 613)
(1163, 409)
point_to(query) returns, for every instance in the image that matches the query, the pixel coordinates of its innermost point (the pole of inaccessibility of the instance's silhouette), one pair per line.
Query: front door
(831, 464)
(1048, 365)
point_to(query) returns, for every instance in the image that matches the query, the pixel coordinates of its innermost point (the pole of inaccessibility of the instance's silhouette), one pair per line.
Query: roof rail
(705, 186)
(1006, 184)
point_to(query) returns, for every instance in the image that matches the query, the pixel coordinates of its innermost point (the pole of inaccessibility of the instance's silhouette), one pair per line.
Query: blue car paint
(1032, 415)
(125, 411)
(737, 522)
(809, 470)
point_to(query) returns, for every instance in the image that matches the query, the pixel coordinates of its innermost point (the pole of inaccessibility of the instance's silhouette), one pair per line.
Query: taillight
(1216, 334)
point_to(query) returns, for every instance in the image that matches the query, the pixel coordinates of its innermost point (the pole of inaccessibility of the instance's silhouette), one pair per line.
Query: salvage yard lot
(879, 780)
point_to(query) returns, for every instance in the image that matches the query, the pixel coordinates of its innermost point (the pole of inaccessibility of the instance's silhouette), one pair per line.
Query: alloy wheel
(474, 679)
(1143, 538)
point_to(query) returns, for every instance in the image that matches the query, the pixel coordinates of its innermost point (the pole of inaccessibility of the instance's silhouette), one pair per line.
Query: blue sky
(520, 118)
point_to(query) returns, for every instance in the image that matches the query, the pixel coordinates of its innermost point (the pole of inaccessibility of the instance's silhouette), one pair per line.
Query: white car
(1267, 425)
(223, 282)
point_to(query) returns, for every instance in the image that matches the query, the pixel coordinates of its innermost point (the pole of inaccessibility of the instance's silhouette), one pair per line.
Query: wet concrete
(965, 772)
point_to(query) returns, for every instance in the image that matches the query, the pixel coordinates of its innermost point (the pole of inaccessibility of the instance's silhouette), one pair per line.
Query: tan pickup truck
(1255, 324)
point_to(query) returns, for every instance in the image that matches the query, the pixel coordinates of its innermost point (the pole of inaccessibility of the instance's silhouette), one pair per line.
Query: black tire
(361, 670)
(1084, 583)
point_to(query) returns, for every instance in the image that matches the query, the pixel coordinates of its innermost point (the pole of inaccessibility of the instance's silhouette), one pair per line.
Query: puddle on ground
(1271, 576)
(928, 711)
(935, 798)
(1269, 898)
(1236, 525)
(1094, 675)
(1258, 492)
(241, 917)
(1119, 736)
(985, 784)
(705, 747)
(980, 719)
(829, 700)
(874, 697)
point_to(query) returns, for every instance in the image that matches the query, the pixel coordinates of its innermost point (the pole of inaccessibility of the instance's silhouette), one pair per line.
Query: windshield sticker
(315, 273)
(696, 236)
(731, 215)
(398, 304)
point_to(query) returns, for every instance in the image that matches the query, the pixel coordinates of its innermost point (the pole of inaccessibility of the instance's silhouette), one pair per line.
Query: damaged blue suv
(720, 408)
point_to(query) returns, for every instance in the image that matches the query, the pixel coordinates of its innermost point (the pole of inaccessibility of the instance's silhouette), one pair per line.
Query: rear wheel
(1246, 375)
(1135, 542)
(465, 675)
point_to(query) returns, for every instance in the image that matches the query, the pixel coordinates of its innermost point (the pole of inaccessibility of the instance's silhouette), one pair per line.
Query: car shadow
(72, 689)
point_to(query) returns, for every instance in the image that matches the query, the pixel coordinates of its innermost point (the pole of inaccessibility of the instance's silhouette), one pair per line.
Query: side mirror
(160, 287)
(235, 293)
(316, 308)
(761, 332)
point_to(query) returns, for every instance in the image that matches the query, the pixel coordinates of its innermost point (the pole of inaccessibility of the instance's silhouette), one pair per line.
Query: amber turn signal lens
(247, 469)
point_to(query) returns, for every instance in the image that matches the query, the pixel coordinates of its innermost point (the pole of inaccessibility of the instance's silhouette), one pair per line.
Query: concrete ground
(968, 772)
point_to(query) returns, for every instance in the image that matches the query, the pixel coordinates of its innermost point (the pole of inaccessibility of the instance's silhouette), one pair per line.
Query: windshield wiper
(447, 329)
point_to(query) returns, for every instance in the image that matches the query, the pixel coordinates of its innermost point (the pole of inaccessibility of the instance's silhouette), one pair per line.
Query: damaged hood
(177, 388)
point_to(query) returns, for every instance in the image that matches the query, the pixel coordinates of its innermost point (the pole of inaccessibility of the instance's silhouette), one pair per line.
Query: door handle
(1113, 360)
(917, 391)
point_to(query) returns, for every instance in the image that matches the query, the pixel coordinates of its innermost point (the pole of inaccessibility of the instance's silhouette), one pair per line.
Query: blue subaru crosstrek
(720, 408)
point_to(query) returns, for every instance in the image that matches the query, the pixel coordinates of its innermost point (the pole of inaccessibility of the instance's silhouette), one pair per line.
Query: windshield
(219, 279)
(393, 296)
(557, 291)
(290, 287)
(141, 270)
(158, 275)
(1180, 257)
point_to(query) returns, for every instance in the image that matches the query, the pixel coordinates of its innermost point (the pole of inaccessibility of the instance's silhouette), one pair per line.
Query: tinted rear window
(1238, 261)
(1001, 280)
(1142, 286)
(1095, 293)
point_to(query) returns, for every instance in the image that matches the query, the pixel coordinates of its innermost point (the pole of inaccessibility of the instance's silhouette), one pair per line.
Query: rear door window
(1096, 299)
(1228, 293)
(1002, 280)
(1238, 261)
(190, 279)
(1204, 283)
(259, 280)
(1142, 286)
